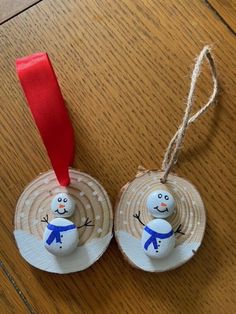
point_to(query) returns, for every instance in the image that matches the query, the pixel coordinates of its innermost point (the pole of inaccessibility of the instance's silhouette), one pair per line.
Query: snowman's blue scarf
(55, 234)
(154, 236)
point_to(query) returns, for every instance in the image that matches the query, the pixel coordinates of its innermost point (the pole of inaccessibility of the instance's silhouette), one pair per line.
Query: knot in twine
(174, 147)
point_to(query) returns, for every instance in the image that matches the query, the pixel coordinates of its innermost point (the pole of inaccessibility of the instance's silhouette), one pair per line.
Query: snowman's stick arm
(45, 219)
(86, 224)
(137, 216)
(178, 230)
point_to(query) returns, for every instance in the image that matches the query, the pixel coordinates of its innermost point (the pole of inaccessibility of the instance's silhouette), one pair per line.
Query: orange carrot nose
(61, 206)
(163, 204)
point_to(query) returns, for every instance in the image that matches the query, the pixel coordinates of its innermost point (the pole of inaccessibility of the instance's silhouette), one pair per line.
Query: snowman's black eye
(166, 197)
(160, 195)
(59, 199)
(65, 200)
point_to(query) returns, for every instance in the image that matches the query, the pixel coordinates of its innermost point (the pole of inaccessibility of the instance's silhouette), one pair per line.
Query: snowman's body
(158, 238)
(61, 236)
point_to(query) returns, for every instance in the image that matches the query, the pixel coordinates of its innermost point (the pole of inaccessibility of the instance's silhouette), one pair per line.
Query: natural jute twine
(174, 147)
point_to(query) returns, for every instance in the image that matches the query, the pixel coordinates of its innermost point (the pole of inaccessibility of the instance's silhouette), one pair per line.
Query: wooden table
(124, 68)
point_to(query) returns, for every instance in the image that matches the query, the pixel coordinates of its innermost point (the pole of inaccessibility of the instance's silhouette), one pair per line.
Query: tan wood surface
(227, 10)
(124, 69)
(34, 205)
(9, 8)
(10, 300)
(189, 215)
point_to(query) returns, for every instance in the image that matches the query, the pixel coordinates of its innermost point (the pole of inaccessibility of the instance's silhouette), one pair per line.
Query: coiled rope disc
(91, 201)
(189, 212)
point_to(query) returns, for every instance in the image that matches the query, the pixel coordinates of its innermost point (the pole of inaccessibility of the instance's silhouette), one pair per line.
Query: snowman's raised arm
(137, 216)
(178, 230)
(45, 219)
(88, 223)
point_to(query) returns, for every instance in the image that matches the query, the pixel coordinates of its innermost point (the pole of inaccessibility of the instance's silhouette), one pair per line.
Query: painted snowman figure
(61, 235)
(158, 237)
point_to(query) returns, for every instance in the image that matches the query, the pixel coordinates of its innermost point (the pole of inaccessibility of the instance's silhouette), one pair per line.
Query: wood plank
(9, 8)
(10, 299)
(226, 10)
(124, 69)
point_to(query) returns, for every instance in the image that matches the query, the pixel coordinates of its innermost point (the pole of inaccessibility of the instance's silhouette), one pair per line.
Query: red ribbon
(45, 100)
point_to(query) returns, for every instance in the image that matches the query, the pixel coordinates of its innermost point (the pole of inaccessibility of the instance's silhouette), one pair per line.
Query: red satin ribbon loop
(46, 103)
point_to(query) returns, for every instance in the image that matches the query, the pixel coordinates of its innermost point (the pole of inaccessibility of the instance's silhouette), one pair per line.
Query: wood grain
(10, 300)
(189, 213)
(91, 201)
(226, 10)
(124, 69)
(9, 8)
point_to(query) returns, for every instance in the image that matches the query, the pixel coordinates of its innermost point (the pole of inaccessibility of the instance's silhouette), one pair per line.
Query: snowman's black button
(60, 247)
(157, 251)
(61, 235)
(159, 241)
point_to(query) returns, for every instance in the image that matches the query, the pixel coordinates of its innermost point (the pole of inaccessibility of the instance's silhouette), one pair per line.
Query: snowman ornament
(158, 237)
(61, 235)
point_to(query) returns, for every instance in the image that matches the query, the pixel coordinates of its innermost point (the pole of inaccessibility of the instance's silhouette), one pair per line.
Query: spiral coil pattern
(189, 212)
(91, 201)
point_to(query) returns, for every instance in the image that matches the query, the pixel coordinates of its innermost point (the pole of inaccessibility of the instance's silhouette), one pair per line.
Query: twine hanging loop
(174, 147)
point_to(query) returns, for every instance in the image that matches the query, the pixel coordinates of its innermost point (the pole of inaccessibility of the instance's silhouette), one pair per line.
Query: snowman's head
(63, 205)
(160, 204)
